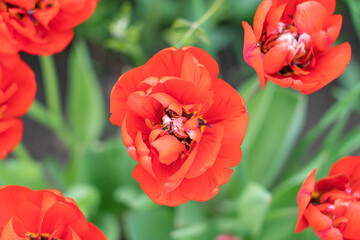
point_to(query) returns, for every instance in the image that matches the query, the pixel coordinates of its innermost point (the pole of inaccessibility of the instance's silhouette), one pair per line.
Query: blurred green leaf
(354, 7)
(155, 223)
(131, 196)
(253, 205)
(85, 103)
(190, 222)
(336, 111)
(86, 196)
(276, 119)
(109, 224)
(280, 225)
(24, 173)
(107, 166)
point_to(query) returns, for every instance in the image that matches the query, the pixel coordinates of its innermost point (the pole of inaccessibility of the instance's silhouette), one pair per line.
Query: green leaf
(86, 196)
(354, 7)
(132, 197)
(155, 223)
(28, 174)
(276, 119)
(253, 205)
(190, 222)
(280, 225)
(106, 166)
(85, 104)
(109, 224)
(338, 110)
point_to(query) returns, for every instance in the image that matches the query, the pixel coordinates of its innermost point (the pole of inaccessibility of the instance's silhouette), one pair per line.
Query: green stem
(198, 23)
(50, 80)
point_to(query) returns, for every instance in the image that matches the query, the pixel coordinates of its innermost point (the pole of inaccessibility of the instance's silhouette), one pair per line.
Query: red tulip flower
(40, 27)
(181, 123)
(40, 215)
(331, 206)
(17, 93)
(290, 41)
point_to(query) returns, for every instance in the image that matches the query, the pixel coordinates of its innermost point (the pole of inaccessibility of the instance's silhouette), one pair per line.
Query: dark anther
(188, 115)
(285, 70)
(48, 5)
(171, 113)
(201, 123)
(167, 125)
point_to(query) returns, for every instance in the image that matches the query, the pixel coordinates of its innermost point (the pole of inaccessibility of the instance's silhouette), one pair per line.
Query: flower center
(186, 128)
(334, 204)
(42, 236)
(298, 46)
(19, 12)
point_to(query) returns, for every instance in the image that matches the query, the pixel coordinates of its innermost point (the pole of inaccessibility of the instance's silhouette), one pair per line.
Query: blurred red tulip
(17, 93)
(40, 215)
(181, 123)
(290, 41)
(40, 27)
(227, 237)
(331, 206)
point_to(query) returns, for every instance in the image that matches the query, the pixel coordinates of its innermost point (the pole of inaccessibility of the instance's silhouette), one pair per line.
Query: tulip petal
(9, 233)
(252, 53)
(196, 73)
(321, 224)
(350, 229)
(22, 77)
(10, 135)
(329, 5)
(67, 19)
(309, 17)
(303, 200)
(208, 150)
(273, 17)
(125, 85)
(201, 188)
(351, 167)
(150, 187)
(260, 16)
(169, 148)
(204, 59)
(94, 233)
(275, 58)
(330, 64)
(56, 42)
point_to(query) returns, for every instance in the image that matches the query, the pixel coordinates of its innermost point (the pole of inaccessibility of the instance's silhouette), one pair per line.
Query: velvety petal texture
(40, 27)
(17, 93)
(331, 206)
(181, 123)
(43, 214)
(290, 44)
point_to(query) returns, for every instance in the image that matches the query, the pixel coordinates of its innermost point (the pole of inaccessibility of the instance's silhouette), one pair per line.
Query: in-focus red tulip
(40, 27)
(331, 206)
(38, 215)
(181, 123)
(290, 41)
(17, 93)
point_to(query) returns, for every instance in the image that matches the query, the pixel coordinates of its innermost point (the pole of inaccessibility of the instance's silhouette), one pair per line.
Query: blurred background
(81, 153)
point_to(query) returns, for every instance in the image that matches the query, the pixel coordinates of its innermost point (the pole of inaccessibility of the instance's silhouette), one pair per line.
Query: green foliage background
(280, 149)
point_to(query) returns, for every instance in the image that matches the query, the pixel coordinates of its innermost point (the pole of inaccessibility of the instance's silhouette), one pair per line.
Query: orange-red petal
(252, 53)
(330, 64)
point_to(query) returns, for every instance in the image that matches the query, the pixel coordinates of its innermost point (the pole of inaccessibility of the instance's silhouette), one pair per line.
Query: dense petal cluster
(40, 27)
(331, 206)
(181, 123)
(38, 215)
(290, 41)
(17, 93)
